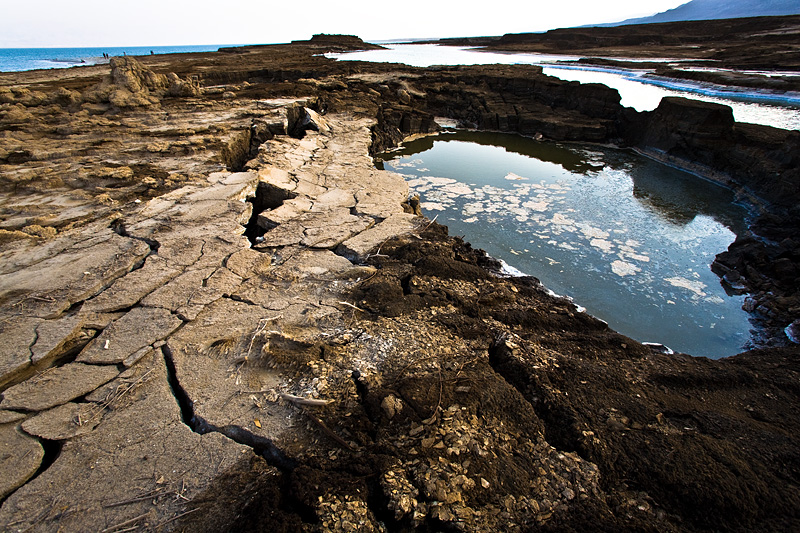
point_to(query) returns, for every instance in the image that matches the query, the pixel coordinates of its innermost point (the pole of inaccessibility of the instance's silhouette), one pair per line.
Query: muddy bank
(768, 43)
(747, 44)
(218, 315)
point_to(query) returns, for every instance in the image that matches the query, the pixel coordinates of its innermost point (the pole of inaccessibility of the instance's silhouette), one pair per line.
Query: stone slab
(54, 336)
(64, 421)
(129, 290)
(138, 328)
(141, 446)
(77, 273)
(358, 247)
(247, 263)
(7, 417)
(56, 386)
(277, 177)
(16, 337)
(20, 458)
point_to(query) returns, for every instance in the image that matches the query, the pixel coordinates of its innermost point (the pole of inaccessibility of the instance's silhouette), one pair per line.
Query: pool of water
(637, 88)
(629, 239)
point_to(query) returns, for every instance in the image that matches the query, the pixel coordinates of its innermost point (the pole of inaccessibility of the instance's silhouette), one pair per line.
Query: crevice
(68, 355)
(52, 451)
(237, 298)
(267, 197)
(262, 446)
(118, 227)
(558, 422)
(405, 283)
(378, 503)
(184, 402)
(371, 408)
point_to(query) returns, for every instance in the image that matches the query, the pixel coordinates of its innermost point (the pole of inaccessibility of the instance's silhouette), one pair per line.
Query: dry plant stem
(143, 497)
(190, 511)
(353, 306)
(429, 224)
(299, 400)
(126, 523)
(261, 325)
(115, 396)
(329, 432)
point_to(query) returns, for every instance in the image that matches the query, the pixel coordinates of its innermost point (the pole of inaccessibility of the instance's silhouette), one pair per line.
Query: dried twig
(190, 511)
(299, 400)
(429, 224)
(126, 523)
(114, 397)
(353, 306)
(329, 432)
(146, 496)
(378, 251)
(261, 325)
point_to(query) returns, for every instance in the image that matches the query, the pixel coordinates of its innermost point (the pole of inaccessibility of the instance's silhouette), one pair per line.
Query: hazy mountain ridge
(719, 9)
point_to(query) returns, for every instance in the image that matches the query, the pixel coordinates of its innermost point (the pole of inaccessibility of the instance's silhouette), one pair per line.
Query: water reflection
(681, 199)
(630, 239)
(571, 160)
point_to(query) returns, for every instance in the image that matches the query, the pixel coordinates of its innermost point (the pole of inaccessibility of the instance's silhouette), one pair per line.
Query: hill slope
(719, 9)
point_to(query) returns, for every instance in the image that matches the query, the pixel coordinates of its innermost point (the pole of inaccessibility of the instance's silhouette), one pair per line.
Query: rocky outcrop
(760, 161)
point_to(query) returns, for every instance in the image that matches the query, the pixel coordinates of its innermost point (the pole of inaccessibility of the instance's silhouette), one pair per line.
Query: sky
(95, 23)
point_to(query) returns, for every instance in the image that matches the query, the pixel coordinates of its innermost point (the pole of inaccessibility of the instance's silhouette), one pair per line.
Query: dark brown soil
(681, 443)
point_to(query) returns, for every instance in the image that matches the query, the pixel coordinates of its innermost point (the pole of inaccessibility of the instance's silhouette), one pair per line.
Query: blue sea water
(19, 59)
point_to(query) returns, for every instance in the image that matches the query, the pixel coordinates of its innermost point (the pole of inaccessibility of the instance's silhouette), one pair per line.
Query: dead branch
(299, 400)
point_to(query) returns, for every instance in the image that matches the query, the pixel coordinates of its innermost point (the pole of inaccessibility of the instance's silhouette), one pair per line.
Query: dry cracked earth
(216, 314)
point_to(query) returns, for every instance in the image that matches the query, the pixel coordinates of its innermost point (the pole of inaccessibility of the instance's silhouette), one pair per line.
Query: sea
(19, 59)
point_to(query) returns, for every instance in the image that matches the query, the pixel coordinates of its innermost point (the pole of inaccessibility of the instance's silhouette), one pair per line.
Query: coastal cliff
(218, 314)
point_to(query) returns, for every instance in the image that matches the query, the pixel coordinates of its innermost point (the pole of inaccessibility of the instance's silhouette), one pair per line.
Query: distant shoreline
(26, 59)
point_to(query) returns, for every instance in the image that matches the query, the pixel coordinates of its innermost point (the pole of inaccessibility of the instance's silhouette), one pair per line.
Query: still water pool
(629, 239)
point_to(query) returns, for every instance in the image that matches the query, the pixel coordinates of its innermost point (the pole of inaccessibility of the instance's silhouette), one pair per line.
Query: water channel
(627, 238)
(637, 87)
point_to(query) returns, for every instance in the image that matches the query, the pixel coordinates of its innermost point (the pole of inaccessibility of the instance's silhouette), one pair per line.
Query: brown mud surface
(217, 315)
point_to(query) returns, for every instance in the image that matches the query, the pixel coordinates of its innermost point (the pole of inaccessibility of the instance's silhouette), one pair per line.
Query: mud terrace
(217, 315)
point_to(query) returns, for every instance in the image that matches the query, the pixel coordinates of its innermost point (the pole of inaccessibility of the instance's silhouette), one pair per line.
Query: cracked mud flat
(210, 324)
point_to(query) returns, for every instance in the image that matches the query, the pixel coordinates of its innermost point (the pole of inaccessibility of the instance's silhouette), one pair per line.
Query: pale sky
(65, 23)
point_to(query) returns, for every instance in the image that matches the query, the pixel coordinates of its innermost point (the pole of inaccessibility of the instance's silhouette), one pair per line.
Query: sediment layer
(217, 314)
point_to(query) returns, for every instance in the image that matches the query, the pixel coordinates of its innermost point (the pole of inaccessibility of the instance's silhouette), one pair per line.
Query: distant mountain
(719, 9)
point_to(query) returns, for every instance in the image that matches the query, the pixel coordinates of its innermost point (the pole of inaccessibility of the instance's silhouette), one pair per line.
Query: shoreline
(357, 365)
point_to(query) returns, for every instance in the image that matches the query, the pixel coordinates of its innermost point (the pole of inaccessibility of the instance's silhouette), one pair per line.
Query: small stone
(484, 483)
(391, 405)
